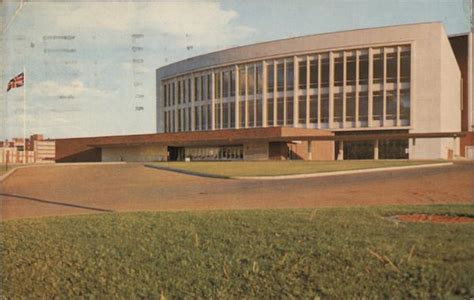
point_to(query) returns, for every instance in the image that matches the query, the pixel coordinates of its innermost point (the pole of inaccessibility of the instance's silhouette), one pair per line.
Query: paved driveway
(79, 189)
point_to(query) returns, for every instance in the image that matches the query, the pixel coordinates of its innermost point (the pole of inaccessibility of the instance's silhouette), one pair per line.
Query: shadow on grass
(187, 172)
(56, 203)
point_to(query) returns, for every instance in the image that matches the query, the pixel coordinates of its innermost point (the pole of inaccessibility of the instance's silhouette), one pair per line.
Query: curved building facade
(401, 79)
(397, 92)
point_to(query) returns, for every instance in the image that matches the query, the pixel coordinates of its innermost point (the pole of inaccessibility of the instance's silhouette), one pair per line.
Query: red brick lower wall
(77, 150)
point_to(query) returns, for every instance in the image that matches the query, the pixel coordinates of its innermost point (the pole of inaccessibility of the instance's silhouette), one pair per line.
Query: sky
(90, 66)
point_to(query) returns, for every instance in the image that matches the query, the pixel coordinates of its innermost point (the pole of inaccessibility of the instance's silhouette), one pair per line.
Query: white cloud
(53, 88)
(191, 22)
(76, 87)
(127, 66)
(96, 91)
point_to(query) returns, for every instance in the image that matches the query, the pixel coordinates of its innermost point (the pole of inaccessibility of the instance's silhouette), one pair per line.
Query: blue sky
(90, 65)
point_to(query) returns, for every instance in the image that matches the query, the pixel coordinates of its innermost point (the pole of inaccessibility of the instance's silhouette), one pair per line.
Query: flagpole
(24, 116)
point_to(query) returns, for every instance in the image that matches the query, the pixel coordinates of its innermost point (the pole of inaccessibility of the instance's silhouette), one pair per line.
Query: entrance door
(470, 152)
(176, 153)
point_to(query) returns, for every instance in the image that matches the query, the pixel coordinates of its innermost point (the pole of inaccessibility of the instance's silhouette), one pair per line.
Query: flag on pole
(16, 82)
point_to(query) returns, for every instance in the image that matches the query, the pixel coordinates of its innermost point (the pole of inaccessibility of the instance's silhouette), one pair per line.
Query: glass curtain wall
(377, 98)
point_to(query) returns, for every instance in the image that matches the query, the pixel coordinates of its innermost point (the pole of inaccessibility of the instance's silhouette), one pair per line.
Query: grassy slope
(272, 168)
(3, 168)
(267, 253)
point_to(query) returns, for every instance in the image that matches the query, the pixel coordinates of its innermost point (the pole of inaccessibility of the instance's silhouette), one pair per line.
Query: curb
(189, 172)
(336, 173)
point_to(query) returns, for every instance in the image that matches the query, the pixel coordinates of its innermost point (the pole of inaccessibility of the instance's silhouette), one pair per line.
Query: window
(209, 84)
(350, 70)
(289, 110)
(242, 81)
(242, 114)
(405, 105)
(338, 106)
(250, 80)
(391, 105)
(165, 95)
(350, 107)
(325, 108)
(377, 105)
(196, 118)
(363, 106)
(302, 110)
(280, 77)
(195, 89)
(338, 71)
(392, 67)
(173, 123)
(405, 66)
(290, 78)
(270, 112)
(232, 114)
(189, 118)
(313, 109)
(209, 117)
(280, 111)
(259, 79)
(225, 115)
(259, 110)
(217, 119)
(217, 85)
(325, 72)
(302, 75)
(202, 88)
(203, 118)
(363, 69)
(184, 91)
(313, 73)
(225, 84)
(179, 92)
(251, 113)
(378, 68)
(173, 92)
(169, 94)
(270, 78)
(189, 90)
(179, 119)
(232, 83)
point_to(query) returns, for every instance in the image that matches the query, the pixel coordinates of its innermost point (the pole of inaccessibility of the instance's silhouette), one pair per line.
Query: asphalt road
(81, 189)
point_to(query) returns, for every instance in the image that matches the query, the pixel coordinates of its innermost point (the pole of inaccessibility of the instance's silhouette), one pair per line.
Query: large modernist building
(394, 92)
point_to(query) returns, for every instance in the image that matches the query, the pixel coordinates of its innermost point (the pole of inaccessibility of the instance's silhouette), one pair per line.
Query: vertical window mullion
(344, 96)
(307, 90)
(384, 87)
(357, 87)
(398, 86)
(319, 90)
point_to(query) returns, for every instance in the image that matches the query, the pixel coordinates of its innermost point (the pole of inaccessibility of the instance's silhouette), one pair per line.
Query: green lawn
(274, 168)
(331, 253)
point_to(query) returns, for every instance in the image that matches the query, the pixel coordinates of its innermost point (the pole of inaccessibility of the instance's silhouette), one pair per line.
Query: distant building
(396, 92)
(38, 150)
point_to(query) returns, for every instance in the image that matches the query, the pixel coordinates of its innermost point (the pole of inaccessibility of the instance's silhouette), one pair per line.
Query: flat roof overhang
(271, 134)
(214, 137)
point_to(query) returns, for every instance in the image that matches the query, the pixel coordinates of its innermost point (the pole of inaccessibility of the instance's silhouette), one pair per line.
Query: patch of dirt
(423, 218)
